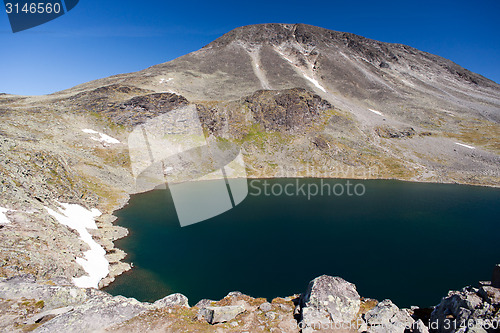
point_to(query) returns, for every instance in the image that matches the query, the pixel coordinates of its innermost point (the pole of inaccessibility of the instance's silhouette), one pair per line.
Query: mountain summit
(344, 68)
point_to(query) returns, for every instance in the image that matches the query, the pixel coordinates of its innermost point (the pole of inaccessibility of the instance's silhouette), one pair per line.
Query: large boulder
(466, 307)
(53, 296)
(96, 314)
(171, 301)
(219, 314)
(329, 300)
(386, 317)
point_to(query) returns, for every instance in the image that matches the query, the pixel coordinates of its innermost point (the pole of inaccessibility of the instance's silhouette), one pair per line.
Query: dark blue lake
(410, 242)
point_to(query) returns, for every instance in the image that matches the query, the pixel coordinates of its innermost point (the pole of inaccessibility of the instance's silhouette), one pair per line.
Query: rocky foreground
(329, 304)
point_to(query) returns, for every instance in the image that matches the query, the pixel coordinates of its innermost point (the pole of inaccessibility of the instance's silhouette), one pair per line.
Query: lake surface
(410, 242)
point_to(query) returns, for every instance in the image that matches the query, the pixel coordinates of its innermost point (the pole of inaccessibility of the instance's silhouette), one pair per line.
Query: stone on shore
(470, 306)
(219, 314)
(172, 300)
(386, 317)
(329, 300)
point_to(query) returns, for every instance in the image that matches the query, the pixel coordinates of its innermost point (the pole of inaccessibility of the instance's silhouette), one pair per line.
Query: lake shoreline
(126, 198)
(399, 183)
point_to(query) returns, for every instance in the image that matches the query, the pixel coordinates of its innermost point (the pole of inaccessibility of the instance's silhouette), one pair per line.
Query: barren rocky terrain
(328, 304)
(300, 101)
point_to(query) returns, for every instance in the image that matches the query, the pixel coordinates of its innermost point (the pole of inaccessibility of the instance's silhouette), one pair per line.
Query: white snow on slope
(95, 263)
(466, 146)
(102, 137)
(282, 55)
(316, 83)
(310, 79)
(376, 112)
(166, 80)
(3, 217)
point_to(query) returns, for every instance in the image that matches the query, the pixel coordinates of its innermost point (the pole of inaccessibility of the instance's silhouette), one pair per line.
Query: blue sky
(102, 38)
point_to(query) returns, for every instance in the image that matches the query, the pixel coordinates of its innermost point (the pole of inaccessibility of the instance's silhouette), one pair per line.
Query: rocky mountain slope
(298, 100)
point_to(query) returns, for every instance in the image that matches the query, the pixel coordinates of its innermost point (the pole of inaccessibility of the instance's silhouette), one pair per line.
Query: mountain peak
(275, 34)
(307, 39)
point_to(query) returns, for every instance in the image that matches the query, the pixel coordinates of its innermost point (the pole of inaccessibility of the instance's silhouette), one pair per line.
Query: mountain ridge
(253, 33)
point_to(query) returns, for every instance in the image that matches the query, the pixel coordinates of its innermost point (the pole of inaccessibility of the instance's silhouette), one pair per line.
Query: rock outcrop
(287, 110)
(386, 317)
(468, 310)
(172, 301)
(63, 308)
(329, 304)
(329, 300)
(219, 314)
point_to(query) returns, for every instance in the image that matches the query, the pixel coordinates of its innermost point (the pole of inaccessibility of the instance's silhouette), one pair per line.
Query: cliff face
(299, 100)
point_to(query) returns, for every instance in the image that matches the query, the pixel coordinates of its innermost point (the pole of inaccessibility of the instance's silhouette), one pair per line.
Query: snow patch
(102, 137)
(166, 80)
(407, 83)
(376, 112)
(95, 263)
(3, 217)
(316, 83)
(310, 79)
(283, 55)
(466, 146)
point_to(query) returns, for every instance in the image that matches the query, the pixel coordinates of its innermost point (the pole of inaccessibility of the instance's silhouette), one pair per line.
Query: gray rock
(265, 306)
(388, 318)
(53, 296)
(46, 314)
(23, 278)
(219, 314)
(463, 314)
(171, 301)
(234, 294)
(329, 300)
(270, 315)
(96, 314)
(469, 304)
(285, 307)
